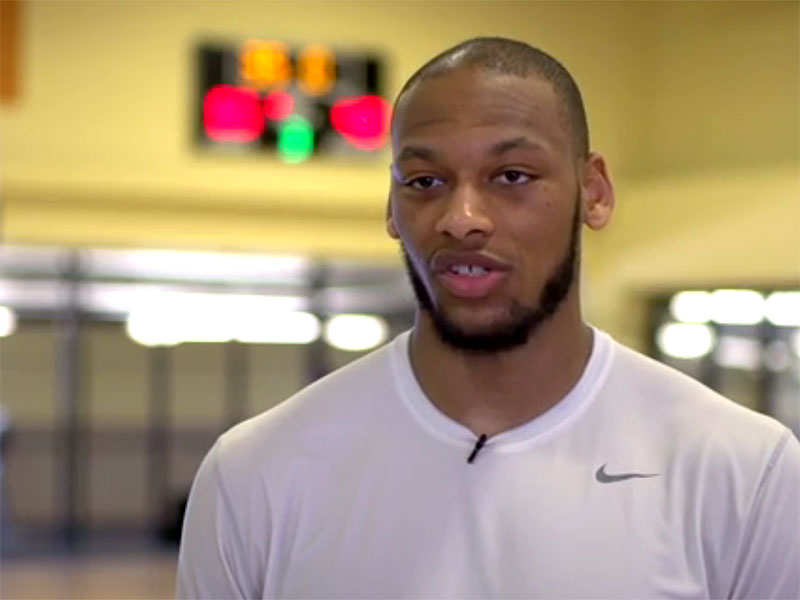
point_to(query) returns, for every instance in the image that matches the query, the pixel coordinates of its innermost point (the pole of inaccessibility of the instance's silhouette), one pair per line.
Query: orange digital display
(316, 69)
(265, 64)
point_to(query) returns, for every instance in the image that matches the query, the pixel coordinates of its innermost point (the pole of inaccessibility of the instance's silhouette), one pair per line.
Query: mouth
(468, 270)
(468, 275)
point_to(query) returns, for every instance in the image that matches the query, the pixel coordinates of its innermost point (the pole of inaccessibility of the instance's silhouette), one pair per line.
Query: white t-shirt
(640, 483)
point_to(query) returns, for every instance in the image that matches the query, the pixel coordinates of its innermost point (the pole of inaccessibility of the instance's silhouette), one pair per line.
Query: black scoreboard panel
(264, 96)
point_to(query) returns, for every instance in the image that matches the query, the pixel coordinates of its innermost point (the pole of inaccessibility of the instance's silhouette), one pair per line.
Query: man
(503, 448)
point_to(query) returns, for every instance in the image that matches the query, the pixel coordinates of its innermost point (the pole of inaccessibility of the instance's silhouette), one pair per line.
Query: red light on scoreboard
(278, 105)
(363, 121)
(232, 114)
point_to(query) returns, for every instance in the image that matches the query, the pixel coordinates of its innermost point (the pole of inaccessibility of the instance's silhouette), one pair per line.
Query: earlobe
(391, 229)
(598, 193)
(390, 226)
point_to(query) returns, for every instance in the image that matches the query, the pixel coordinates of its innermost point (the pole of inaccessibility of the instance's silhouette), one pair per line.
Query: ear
(598, 192)
(391, 229)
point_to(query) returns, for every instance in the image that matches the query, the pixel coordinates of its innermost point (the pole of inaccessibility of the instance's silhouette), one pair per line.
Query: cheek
(541, 240)
(409, 225)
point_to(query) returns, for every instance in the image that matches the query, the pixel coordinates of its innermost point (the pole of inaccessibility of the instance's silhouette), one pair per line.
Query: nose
(465, 215)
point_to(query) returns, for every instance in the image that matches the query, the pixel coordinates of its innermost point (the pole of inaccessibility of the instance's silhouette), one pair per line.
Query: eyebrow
(425, 153)
(514, 143)
(421, 152)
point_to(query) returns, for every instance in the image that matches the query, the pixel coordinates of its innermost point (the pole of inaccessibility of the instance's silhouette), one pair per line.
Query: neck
(491, 393)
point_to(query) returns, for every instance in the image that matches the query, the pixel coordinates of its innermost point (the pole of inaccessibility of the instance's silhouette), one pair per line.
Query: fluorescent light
(153, 329)
(8, 321)
(685, 340)
(197, 266)
(737, 307)
(45, 294)
(279, 328)
(130, 297)
(123, 298)
(783, 308)
(691, 307)
(172, 318)
(737, 352)
(355, 332)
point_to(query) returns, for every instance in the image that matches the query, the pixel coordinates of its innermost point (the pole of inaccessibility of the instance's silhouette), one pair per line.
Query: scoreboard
(295, 102)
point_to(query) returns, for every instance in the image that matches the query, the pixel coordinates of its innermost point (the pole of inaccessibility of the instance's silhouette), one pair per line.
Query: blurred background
(193, 199)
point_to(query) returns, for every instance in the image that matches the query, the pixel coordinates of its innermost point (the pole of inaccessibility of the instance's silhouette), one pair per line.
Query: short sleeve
(212, 561)
(769, 560)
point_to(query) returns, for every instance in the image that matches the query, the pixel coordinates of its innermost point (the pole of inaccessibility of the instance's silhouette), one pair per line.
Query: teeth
(469, 270)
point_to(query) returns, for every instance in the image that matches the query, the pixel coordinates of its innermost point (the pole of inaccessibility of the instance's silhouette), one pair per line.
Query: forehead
(449, 106)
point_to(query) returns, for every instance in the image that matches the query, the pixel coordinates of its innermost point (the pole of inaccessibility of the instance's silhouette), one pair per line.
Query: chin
(487, 334)
(476, 320)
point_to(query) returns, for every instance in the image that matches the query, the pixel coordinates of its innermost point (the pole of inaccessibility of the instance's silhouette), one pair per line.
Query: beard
(522, 321)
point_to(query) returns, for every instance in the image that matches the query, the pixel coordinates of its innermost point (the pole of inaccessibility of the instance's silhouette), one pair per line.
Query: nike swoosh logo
(604, 477)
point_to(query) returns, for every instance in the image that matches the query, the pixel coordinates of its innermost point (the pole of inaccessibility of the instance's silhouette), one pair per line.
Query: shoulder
(318, 419)
(686, 417)
(665, 390)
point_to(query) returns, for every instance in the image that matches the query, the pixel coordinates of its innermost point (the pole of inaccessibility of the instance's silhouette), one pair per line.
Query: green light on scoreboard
(295, 139)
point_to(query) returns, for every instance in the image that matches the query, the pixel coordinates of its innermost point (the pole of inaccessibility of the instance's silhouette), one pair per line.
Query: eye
(512, 177)
(425, 182)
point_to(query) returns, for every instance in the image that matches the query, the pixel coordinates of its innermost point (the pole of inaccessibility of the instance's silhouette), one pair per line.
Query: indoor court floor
(142, 577)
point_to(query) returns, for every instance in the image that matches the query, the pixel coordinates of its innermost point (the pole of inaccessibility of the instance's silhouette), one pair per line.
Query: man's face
(486, 201)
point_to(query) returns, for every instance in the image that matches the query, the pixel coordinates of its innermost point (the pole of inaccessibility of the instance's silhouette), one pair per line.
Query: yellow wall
(99, 149)
(694, 104)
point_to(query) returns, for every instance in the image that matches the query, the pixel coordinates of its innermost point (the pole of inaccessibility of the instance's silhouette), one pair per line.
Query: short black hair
(512, 57)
